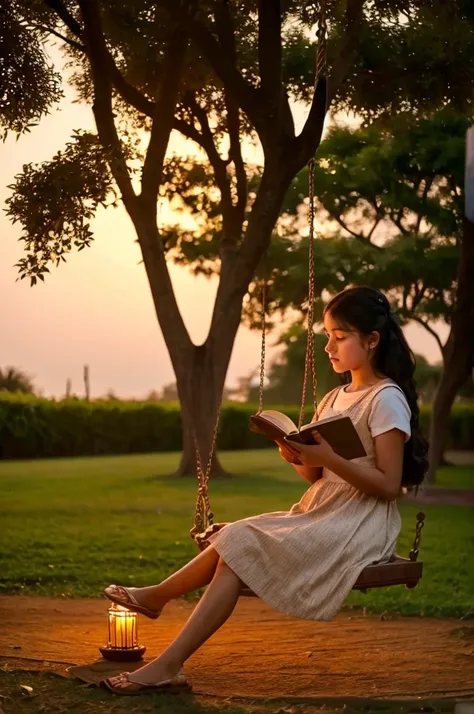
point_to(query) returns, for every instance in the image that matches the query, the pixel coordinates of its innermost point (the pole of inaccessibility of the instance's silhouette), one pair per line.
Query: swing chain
(321, 34)
(309, 364)
(203, 517)
(262, 353)
(321, 69)
(420, 522)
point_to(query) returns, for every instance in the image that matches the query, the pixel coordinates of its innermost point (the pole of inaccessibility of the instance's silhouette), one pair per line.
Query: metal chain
(203, 517)
(420, 522)
(321, 34)
(309, 363)
(262, 352)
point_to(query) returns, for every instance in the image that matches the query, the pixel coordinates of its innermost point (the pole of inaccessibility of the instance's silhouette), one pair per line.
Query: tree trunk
(459, 352)
(201, 370)
(200, 390)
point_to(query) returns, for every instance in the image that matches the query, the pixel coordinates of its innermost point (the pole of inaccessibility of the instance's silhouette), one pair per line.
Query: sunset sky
(97, 308)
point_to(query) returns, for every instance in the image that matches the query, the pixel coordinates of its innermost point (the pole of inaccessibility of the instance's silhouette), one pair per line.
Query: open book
(338, 431)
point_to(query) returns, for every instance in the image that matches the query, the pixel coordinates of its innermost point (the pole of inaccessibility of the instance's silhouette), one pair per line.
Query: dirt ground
(259, 653)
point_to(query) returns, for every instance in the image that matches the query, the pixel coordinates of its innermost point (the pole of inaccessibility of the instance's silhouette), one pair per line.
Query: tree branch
(372, 230)
(227, 37)
(348, 46)
(426, 188)
(67, 40)
(310, 137)
(63, 13)
(269, 51)
(128, 92)
(358, 236)
(432, 332)
(235, 155)
(223, 65)
(419, 295)
(163, 115)
(102, 107)
(218, 164)
(397, 220)
(405, 301)
(189, 131)
(265, 211)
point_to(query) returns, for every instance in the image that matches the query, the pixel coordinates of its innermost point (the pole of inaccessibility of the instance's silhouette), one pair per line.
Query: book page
(314, 424)
(278, 419)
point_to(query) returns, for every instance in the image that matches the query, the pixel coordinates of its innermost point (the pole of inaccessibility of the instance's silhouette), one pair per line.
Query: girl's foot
(124, 685)
(138, 600)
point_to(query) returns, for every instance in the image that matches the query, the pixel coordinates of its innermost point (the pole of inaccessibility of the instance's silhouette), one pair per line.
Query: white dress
(304, 562)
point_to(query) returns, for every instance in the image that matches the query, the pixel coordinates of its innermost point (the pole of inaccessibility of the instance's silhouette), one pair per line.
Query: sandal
(168, 686)
(122, 596)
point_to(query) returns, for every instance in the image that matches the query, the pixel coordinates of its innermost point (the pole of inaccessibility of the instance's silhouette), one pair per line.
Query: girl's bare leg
(194, 575)
(209, 615)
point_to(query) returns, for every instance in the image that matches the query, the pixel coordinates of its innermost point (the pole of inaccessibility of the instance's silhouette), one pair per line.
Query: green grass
(71, 526)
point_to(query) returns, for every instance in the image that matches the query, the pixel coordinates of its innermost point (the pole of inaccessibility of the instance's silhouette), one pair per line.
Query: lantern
(122, 645)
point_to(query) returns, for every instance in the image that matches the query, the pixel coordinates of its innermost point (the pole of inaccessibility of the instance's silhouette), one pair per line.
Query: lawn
(72, 526)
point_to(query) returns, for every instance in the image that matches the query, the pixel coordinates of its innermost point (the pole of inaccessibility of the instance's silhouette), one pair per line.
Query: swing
(398, 571)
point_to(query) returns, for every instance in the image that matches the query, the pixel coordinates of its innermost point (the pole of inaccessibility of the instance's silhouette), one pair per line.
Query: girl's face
(348, 350)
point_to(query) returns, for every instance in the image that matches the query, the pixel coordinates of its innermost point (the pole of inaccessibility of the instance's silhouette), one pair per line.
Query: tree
(14, 380)
(394, 205)
(217, 72)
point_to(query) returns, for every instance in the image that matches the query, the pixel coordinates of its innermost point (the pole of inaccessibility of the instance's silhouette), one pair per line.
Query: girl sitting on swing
(305, 561)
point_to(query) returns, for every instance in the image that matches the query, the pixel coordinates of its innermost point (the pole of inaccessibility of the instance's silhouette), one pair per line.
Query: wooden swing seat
(399, 571)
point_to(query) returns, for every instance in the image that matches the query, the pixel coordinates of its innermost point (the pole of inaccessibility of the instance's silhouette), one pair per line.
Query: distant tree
(153, 396)
(14, 380)
(392, 216)
(169, 393)
(427, 378)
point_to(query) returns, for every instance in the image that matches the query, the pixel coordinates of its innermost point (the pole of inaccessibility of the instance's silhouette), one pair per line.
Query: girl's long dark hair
(367, 310)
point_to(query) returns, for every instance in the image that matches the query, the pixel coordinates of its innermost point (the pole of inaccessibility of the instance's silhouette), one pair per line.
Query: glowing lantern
(122, 645)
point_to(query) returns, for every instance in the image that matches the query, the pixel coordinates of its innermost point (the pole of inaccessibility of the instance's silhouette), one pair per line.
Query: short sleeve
(390, 410)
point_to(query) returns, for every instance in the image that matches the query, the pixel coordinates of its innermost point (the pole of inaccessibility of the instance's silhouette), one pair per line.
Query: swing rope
(203, 524)
(203, 516)
(310, 364)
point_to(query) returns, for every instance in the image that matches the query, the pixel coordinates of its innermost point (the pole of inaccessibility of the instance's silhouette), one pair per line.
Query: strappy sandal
(122, 596)
(168, 686)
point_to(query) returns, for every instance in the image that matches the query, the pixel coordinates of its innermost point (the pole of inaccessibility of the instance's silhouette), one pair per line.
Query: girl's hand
(314, 455)
(288, 453)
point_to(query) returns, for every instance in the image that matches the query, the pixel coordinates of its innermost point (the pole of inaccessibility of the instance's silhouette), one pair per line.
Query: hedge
(31, 427)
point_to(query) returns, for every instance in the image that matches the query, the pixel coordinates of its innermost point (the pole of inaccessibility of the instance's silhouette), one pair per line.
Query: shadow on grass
(26, 692)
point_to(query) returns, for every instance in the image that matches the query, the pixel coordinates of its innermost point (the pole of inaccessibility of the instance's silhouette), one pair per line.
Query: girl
(305, 561)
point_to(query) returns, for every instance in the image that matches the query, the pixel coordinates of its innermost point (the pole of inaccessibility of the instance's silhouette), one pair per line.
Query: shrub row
(42, 428)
